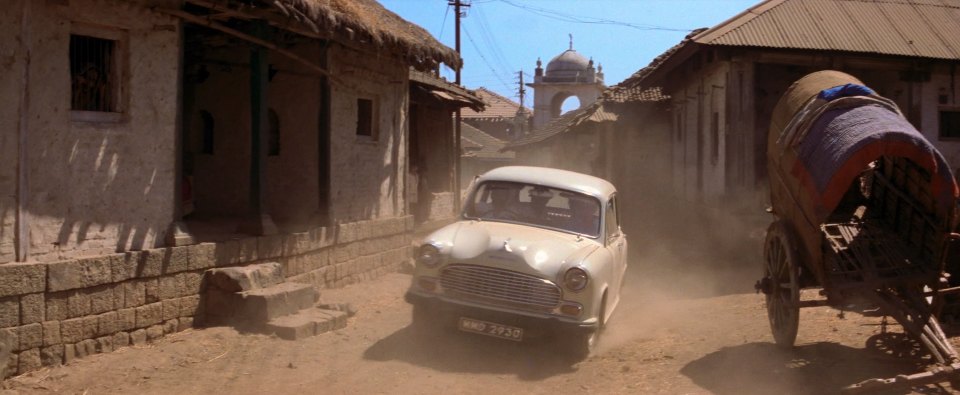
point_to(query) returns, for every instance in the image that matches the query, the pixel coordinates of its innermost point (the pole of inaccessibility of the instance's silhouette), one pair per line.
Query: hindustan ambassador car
(536, 251)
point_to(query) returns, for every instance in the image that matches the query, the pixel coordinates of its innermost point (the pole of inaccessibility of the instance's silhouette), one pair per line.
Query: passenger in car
(584, 216)
(536, 212)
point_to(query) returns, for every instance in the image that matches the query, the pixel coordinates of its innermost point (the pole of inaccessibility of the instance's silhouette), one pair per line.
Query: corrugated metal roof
(916, 28)
(498, 107)
(445, 90)
(565, 123)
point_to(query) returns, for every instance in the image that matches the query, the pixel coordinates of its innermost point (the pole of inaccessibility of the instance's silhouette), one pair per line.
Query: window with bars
(93, 74)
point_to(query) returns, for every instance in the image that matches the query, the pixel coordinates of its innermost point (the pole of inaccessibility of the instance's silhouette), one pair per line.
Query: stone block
(105, 344)
(269, 247)
(247, 250)
(80, 273)
(296, 243)
(71, 331)
(118, 297)
(189, 306)
(306, 323)
(344, 252)
(121, 339)
(86, 348)
(30, 336)
(69, 353)
(56, 306)
(9, 311)
(176, 259)
(134, 293)
(22, 278)
(29, 361)
(148, 263)
(78, 304)
(245, 278)
(347, 233)
(184, 323)
(203, 256)
(11, 368)
(227, 253)
(151, 289)
(261, 305)
(170, 326)
(51, 333)
(124, 266)
(107, 323)
(150, 314)
(32, 308)
(52, 355)
(138, 337)
(101, 299)
(126, 319)
(90, 326)
(169, 287)
(190, 283)
(170, 309)
(154, 332)
(8, 345)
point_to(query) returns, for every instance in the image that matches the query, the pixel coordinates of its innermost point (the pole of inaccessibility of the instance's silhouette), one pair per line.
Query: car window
(535, 205)
(612, 224)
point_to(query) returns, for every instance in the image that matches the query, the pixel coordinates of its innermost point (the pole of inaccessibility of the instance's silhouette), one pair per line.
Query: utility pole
(522, 90)
(457, 5)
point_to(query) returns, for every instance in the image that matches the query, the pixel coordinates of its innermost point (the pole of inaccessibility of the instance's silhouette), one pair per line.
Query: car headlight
(428, 255)
(575, 279)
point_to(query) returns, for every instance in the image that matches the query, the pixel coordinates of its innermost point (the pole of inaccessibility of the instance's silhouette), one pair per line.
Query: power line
(444, 24)
(484, 58)
(556, 15)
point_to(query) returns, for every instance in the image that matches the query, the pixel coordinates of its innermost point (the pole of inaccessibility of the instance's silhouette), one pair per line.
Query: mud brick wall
(57, 312)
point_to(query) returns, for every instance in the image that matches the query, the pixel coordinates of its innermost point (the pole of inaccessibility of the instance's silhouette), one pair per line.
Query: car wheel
(586, 343)
(424, 321)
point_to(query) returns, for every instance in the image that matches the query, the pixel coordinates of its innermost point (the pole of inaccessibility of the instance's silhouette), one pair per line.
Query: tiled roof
(477, 144)
(594, 112)
(445, 90)
(622, 94)
(916, 28)
(498, 107)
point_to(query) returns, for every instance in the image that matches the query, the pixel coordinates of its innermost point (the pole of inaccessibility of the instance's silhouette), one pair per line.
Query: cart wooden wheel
(782, 270)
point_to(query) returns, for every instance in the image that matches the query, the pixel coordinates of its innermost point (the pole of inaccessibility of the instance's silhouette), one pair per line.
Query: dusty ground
(681, 329)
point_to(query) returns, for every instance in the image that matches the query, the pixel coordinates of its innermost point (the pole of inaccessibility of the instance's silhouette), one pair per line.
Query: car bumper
(449, 311)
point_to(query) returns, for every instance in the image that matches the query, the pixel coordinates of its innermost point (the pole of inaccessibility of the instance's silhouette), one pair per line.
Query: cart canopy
(826, 130)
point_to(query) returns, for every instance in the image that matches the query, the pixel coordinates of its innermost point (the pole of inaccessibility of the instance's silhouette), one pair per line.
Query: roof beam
(246, 37)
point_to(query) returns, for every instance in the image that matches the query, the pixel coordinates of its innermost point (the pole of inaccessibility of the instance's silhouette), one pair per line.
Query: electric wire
(556, 15)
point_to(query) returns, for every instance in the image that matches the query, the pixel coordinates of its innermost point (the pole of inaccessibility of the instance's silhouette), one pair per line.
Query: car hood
(502, 244)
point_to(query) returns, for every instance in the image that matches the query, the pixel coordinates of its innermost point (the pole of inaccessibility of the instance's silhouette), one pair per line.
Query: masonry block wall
(57, 312)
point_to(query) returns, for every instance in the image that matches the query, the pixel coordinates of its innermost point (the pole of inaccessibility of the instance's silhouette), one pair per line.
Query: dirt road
(674, 334)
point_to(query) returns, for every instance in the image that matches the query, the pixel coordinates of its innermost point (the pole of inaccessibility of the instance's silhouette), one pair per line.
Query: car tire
(585, 343)
(424, 321)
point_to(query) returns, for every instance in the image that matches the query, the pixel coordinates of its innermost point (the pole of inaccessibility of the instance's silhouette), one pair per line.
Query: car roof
(554, 178)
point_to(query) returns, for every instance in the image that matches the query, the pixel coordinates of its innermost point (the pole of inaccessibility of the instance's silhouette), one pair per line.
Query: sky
(501, 37)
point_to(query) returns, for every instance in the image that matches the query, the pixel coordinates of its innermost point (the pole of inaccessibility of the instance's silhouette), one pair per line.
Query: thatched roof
(367, 19)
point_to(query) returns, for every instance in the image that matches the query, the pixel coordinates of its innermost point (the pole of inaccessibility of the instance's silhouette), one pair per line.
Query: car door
(617, 245)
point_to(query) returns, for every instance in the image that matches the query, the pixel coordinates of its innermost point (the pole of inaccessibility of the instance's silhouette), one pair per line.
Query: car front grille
(500, 287)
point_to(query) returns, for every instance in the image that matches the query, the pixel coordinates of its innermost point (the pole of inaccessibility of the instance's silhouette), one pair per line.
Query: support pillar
(258, 222)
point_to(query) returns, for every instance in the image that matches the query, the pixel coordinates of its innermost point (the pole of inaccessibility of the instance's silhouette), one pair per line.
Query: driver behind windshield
(503, 201)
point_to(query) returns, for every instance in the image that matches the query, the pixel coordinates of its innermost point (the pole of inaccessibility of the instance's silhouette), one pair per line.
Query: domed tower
(567, 74)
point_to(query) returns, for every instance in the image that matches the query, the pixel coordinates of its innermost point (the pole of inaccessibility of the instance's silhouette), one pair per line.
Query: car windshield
(535, 205)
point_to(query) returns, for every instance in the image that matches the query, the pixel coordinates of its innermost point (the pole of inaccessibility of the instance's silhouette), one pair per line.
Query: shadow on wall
(100, 190)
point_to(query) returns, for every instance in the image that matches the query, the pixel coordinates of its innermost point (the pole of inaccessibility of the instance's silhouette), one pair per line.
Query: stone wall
(60, 311)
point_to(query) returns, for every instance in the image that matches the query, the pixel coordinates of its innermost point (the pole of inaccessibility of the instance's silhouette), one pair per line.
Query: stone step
(265, 304)
(306, 323)
(245, 278)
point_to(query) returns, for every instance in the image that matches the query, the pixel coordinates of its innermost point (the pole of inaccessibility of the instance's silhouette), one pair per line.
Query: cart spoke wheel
(781, 266)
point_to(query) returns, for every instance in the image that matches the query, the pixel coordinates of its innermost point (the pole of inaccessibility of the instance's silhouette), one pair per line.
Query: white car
(536, 251)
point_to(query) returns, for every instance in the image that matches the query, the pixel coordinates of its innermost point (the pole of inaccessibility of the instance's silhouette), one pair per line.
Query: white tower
(567, 74)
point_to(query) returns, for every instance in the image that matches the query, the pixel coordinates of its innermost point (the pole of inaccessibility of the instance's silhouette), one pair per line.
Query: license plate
(491, 329)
